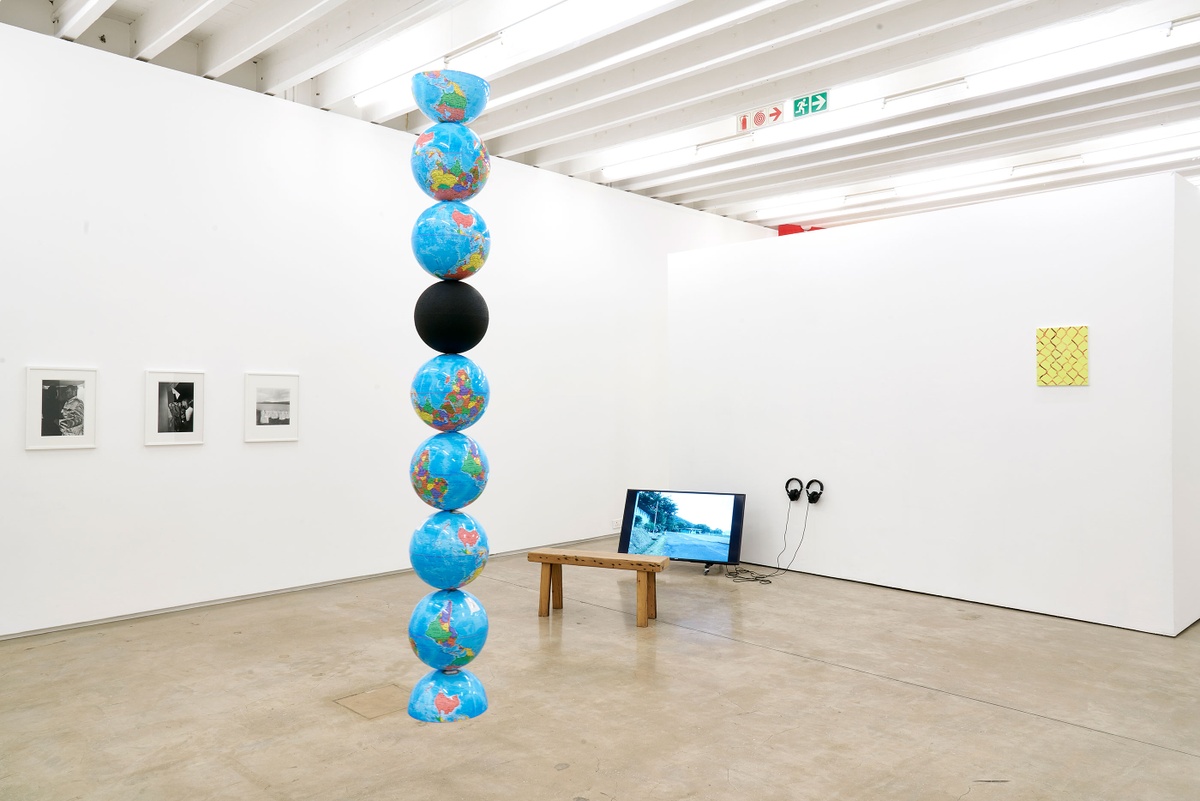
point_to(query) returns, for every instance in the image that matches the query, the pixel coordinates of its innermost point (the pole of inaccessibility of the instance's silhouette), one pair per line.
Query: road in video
(682, 525)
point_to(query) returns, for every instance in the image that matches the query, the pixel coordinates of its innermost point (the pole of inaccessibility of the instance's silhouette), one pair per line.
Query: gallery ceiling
(809, 113)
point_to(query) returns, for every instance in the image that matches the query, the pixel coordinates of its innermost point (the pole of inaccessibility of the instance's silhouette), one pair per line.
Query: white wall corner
(895, 361)
(270, 237)
(1186, 406)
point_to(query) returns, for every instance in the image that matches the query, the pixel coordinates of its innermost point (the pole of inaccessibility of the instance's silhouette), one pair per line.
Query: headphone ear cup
(793, 493)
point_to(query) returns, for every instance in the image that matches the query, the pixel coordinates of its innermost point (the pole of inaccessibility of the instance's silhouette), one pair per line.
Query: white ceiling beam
(670, 27)
(586, 153)
(341, 36)
(534, 46)
(72, 17)
(1113, 90)
(1160, 102)
(267, 25)
(945, 145)
(165, 23)
(533, 38)
(881, 165)
(422, 44)
(1154, 77)
(780, 64)
(736, 40)
(560, 66)
(1180, 163)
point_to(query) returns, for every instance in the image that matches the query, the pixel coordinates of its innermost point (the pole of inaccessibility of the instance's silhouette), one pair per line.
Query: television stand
(707, 565)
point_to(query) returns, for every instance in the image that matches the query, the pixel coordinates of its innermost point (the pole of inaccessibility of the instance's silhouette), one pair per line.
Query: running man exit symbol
(810, 104)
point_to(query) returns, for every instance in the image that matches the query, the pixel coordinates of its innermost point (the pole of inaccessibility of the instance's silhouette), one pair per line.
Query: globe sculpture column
(449, 470)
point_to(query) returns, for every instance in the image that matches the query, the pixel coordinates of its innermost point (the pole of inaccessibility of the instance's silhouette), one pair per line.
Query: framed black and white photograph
(272, 407)
(174, 408)
(60, 409)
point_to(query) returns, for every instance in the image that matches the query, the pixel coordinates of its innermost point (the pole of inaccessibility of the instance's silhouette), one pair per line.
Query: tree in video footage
(682, 525)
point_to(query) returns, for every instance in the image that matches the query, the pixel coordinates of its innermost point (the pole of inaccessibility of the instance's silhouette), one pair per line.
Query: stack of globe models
(449, 470)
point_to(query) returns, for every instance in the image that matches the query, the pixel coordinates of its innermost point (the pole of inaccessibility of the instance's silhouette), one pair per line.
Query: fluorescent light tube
(1050, 165)
(472, 46)
(649, 164)
(932, 182)
(925, 90)
(801, 204)
(677, 158)
(1182, 22)
(1142, 150)
(723, 147)
(927, 96)
(869, 197)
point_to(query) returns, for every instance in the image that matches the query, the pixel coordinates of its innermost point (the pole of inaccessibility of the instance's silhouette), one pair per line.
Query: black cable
(787, 521)
(740, 573)
(803, 531)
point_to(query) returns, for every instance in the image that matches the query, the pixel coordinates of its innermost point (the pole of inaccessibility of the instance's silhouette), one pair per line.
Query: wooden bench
(553, 559)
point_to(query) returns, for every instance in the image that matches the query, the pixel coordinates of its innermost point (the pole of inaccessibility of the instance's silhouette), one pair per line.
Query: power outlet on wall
(615, 525)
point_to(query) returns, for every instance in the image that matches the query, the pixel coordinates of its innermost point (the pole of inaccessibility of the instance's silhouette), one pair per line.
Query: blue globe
(444, 697)
(449, 162)
(449, 550)
(450, 392)
(449, 471)
(451, 241)
(450, 95)
(447, 629)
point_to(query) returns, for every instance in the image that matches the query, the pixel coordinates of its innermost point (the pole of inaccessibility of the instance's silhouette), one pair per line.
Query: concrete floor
(809, 688)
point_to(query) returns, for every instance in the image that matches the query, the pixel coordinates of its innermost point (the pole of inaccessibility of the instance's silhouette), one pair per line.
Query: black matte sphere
(451, 316)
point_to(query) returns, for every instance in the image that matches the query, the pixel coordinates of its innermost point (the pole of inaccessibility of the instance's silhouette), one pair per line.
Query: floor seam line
(880, 676)
(918, 685)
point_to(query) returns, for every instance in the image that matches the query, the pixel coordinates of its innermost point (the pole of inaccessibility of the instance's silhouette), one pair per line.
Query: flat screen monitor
(688, 526)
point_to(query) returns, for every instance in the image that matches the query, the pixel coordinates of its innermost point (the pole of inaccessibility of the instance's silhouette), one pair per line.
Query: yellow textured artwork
(1062, 356)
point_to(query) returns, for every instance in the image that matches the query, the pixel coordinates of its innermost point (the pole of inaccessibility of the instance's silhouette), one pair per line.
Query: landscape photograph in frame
(272, 407)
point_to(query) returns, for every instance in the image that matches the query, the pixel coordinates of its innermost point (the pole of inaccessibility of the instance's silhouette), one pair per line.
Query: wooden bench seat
(553, 559)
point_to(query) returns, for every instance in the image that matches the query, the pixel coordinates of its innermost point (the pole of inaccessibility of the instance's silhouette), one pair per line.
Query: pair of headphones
(801, 488)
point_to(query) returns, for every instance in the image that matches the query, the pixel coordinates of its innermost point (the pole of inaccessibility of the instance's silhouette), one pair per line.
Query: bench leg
(652, 592)
(544, 595)
(556, 585)
(643, 599)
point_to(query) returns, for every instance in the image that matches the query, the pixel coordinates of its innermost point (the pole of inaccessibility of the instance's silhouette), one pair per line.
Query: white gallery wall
(157, 221)
(895, 361)
(1185, 411)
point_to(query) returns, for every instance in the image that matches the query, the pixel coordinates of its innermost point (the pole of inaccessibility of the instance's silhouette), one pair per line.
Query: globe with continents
(451, 241)
(449, 392)
(444, 697)
(450, 162)
(449, 470)
(450, 95)
(449, 550)
(447, 629)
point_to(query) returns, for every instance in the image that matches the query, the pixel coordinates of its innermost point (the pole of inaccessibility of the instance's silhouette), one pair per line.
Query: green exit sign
(810, 104)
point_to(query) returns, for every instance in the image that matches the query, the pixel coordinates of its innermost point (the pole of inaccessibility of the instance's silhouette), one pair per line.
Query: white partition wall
(1185, 417)
(896, 362)
(157, 221)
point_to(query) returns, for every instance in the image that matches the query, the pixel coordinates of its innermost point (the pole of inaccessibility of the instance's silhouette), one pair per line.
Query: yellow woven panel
(1062, 357)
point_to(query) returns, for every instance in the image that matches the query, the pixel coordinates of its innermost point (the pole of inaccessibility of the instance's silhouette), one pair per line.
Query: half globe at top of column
(449, 95)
